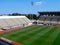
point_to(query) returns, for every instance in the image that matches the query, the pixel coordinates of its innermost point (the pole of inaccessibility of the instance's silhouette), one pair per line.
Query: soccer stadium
(19, 30)
(29, 22)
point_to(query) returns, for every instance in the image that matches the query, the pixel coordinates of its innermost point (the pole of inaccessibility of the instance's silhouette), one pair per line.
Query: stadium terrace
(8, 22)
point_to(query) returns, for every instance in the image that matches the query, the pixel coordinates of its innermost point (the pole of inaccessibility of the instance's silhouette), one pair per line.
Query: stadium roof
(56, 13)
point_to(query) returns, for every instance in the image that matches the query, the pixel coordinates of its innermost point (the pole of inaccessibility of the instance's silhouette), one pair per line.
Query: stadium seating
(50, 19)
(8, 22)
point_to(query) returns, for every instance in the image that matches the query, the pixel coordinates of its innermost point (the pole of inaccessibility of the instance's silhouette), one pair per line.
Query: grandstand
(50, 18)
(8, 22)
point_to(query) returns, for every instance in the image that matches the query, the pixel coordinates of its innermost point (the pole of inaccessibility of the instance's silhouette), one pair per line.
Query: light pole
(32, 3)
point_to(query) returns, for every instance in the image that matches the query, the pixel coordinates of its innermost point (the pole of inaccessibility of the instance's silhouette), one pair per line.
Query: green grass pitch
(35, 35)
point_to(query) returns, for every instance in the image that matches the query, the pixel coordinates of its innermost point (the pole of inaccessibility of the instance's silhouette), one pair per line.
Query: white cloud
(38, 3)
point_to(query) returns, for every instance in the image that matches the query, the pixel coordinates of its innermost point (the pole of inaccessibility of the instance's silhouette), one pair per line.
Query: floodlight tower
(32, 4)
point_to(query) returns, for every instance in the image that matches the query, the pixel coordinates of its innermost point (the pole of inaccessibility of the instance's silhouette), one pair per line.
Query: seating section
(41, 20)
(50, 19)
(18, 21)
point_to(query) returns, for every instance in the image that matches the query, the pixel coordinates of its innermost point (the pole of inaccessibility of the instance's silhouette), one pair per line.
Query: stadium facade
(50, 18)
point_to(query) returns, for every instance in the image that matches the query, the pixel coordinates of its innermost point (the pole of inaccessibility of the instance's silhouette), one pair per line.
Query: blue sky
(24, 6)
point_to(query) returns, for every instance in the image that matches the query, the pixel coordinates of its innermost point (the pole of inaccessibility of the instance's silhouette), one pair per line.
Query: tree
(32, 16)
(16, 14)
(29, 16)
(35, 16)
